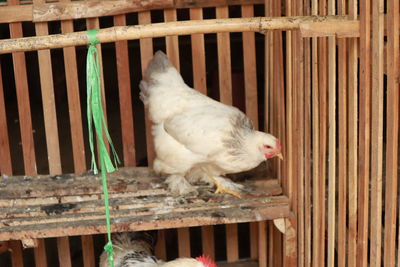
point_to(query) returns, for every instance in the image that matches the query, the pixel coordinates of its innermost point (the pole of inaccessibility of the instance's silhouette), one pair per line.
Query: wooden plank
(183, 242)
(207, 240)
(317, 216)
(224, 60)
(5, 154)
(16, 255)
(88, 249)
(339, 30)
(24, 112)
(198, 55)
(171, 42)
(74, 107)
(232, 242)
(125, 97)
(376, 133)
(40, 254)
(22, 13)
(64, 254)
(92, 9)
(254, 237)
(392, 135)
(332, 142)
(160, 249)
(342, 156)
(250, 69)
(240, 264)
(146, 54)
(262, 244)
(364, 133)
(353, 142)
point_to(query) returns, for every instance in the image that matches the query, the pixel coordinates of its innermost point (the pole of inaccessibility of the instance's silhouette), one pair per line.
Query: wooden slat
(88, 250)
(364, 132)
(183, 242)
(317, 216)
(332, 142)
(40, 254)
(22, 13)
(353, 143)
(24, 112)
(171, 42)
(376, 133)
(16, 255)
(207, 241)
(224, 61)
(64, 252)
(5, 155)
(125, 97)
(232, 242)
(342, 156)
(262, 244)
(146, 54)
(160, 249)
(92, 9)
(198, 55)
(392, 135)
(250, 68)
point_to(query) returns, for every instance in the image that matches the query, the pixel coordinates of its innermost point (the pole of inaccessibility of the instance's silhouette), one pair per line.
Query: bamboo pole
(118, 33)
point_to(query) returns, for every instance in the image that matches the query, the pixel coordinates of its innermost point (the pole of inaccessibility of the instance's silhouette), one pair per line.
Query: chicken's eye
(267, 147)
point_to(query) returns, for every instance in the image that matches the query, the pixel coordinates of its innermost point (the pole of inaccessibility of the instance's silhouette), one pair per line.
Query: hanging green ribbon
(95, 116)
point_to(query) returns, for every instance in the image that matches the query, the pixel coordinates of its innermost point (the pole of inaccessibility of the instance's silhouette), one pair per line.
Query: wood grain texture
(207, 240)
(125, 97)
(184, 242)
(16, 255)
(224, 60)
(364, 133)
(146, 54)
(64, 254)
(232, 242)
(392, 136)
(376, 133)
(262, 244)
(198, 55)
(353, 141)
(5, 154)
(40, 254)
(88, 251)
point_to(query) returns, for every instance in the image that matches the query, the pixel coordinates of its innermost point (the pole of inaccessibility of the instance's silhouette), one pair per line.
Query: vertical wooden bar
(160, 250)
(16, 255)
(262, 244)
(88, 251)
(377, 132)
(5, 154)
(342, 161)
(332, 141)
(250, 68)
(364, 132)
(353, 129)
(232, 244)
(40, 254)
(207, 239)
(392, 134)
(307, 144)
(172, 41)
(317, 216)
(74, 106)
(198, 54)
(224, 60)
(64, 254)
(183, 242)
(125, 97)
(146, 54)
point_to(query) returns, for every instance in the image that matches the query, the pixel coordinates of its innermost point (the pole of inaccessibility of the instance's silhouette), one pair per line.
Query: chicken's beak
(279, 155)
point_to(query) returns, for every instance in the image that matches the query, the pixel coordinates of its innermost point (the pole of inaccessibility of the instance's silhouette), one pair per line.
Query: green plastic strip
(95, 116)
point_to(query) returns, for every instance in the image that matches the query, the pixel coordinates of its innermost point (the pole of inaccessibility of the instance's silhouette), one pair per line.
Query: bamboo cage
(322, 75)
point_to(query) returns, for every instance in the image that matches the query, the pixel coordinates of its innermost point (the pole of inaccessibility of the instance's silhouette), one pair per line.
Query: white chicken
(135, 249)
(196, 137)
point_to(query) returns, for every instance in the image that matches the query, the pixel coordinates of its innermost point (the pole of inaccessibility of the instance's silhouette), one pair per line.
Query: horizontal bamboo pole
(112, 34)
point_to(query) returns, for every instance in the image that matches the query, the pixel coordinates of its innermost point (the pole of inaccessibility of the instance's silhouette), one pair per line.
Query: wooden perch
(112, 34)
(72, 204)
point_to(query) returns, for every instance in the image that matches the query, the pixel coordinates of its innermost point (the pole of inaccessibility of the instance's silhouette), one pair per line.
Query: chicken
(135, 249)
(196, 137)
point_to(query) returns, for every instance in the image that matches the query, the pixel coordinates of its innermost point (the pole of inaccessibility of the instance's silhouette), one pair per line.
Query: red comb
(207, 261)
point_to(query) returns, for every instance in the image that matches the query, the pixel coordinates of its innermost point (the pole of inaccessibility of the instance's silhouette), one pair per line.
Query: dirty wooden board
(64, 205)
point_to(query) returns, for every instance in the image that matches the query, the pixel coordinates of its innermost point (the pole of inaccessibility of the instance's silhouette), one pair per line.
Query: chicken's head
(270, 147)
